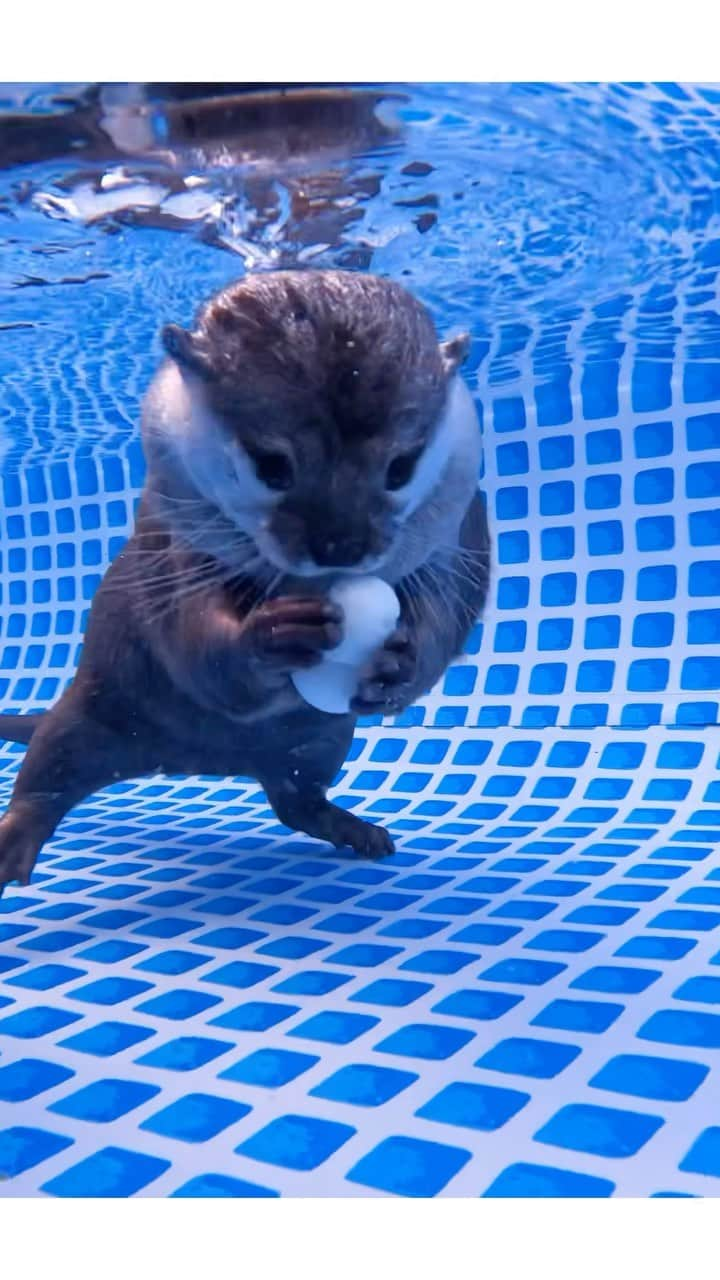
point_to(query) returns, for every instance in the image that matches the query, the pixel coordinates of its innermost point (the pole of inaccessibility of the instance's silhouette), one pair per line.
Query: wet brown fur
(186, 665)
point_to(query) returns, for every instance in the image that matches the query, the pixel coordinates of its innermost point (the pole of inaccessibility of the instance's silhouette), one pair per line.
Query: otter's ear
(185, 348)
(455, 352)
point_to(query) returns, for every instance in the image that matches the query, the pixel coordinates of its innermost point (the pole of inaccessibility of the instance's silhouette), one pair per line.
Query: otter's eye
(274, 469)
(400, 471)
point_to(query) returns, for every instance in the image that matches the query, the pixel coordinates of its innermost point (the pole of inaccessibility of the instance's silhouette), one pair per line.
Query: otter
(309, 425)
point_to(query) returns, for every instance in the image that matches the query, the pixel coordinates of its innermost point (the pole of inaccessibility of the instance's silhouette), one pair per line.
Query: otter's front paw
(386, 683)
(292, 632)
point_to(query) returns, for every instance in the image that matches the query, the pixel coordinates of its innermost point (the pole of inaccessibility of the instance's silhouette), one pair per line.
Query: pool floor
(519, 1002)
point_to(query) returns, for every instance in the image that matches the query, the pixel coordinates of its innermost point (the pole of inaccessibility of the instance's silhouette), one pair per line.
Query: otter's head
(316, 411)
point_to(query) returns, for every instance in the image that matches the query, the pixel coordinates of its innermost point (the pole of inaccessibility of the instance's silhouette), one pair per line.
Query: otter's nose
(337, 549)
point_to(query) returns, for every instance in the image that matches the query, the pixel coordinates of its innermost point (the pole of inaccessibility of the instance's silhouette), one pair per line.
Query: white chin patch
(457, 434)
(177, 409)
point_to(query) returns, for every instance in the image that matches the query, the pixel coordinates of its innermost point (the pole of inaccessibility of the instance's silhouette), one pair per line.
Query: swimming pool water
(523, 1000)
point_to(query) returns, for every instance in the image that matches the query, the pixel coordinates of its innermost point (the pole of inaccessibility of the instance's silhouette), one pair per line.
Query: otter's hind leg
(297, 792)
(305, 807)
(68, 758)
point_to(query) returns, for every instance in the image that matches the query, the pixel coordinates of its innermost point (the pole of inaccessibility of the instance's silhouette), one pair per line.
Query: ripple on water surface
(551, 220)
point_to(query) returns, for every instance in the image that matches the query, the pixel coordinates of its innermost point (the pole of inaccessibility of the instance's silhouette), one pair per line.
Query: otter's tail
(18, 728)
